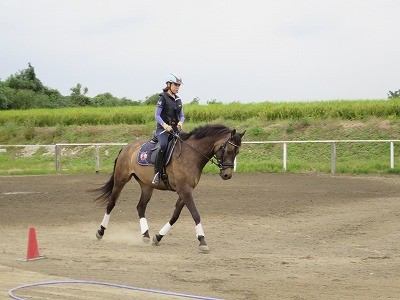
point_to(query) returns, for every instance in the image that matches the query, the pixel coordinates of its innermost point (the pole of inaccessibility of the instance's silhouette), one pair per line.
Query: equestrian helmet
(172, 78)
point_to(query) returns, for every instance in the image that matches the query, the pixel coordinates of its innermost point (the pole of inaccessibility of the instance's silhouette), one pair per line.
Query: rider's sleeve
(181, 116)
(159, 108)
(157, 115)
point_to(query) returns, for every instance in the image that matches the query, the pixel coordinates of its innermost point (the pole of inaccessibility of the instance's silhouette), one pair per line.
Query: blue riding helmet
(174, 79)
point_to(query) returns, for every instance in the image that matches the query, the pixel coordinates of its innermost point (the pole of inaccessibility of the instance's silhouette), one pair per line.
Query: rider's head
(173, 83)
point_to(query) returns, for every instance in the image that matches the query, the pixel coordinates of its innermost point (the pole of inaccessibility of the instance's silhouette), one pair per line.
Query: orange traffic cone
(33, 249)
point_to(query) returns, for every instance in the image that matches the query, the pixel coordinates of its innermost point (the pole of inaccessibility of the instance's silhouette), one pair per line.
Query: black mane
(201, 132)
(209, 130)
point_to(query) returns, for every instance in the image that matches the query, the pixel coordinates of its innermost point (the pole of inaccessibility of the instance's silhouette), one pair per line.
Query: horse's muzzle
(225, 175)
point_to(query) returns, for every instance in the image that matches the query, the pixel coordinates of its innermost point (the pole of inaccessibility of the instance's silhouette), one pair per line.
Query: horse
(192, 152)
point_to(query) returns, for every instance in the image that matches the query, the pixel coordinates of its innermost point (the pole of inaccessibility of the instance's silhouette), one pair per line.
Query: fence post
(58, 157)
(392, 155)
(97, 158)
(284, 156)
(333, 158)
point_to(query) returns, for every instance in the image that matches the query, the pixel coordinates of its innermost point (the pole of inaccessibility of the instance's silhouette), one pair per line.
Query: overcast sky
(228, 50)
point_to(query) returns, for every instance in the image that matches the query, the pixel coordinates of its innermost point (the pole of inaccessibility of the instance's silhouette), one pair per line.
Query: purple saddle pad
(144, 154)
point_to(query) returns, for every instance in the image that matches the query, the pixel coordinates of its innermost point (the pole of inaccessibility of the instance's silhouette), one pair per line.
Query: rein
(220, 161)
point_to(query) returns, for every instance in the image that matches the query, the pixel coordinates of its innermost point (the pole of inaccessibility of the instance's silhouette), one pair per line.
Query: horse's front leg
(189, 202)
(199, 229)
(178, 208)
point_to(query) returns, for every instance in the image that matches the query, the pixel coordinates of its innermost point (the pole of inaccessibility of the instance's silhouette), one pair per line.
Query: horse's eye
(229, 152)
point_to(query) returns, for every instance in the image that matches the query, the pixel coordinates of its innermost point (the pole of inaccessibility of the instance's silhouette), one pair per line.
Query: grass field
(339, 120)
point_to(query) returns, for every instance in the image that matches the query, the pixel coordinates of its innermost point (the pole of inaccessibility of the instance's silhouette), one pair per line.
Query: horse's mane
(204, 131)
(209, 130)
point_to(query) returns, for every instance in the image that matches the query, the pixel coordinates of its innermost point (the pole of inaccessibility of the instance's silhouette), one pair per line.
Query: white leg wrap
(143, 225)
(199, 230)
(106, 219)
(165, 229)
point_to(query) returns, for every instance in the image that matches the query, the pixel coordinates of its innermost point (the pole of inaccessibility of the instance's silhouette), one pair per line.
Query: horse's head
(226, 152)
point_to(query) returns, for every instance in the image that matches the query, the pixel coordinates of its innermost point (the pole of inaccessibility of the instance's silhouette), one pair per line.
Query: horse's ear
(233, 133)
(242, 134)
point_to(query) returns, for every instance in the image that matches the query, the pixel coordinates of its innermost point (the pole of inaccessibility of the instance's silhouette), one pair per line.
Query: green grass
(378, 119)
(352, 158)
(135, 115)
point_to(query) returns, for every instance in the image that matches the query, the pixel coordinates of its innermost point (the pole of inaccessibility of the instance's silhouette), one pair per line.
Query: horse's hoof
(146, 239)
(155, 241)
(204, 248)
(99, 237)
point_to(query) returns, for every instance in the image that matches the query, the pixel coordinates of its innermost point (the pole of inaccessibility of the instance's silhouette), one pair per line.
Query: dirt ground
(272, 236)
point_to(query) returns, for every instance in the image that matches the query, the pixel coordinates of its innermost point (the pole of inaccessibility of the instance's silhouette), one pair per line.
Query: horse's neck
(206, 146)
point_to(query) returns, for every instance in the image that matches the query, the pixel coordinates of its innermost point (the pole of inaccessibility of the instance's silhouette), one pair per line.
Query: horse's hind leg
(178, 208)
(117, 188)
(145, 197)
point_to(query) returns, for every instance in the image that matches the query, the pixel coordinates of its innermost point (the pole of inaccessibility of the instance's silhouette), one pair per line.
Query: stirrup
(156, 179)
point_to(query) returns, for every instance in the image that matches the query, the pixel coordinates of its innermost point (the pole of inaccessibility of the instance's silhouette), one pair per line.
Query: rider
(169, 116)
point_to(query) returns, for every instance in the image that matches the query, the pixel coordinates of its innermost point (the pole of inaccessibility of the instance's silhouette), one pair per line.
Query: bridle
(219, 161)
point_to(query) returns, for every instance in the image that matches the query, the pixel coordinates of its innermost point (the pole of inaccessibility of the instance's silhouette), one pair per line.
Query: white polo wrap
(105, 221)
(143, 225)
(199, 230)
(165, 229)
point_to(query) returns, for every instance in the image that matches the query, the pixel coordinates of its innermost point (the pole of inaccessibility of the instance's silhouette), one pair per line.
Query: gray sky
(228, 50)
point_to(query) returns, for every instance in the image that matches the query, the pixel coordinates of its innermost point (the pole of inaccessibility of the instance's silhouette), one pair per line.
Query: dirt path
(272, 236)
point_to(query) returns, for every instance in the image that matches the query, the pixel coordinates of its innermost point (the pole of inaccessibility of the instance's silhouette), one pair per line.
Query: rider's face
(175, 87)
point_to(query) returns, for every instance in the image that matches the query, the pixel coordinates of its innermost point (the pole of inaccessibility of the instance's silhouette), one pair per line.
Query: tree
(152, 100)
(23, 90)
(129, 102)
(3, 97)
(22, 99)
(105, 99)
(25, 80)
(195, 101)
(395, 94)
(213, 101)
(78, 97)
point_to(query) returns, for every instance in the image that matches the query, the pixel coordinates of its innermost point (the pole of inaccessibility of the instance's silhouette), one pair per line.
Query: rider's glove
(180, 126)
(167, 127)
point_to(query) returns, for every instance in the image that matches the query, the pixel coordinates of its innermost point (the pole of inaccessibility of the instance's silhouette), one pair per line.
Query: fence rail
(333, 143)
(333, 148)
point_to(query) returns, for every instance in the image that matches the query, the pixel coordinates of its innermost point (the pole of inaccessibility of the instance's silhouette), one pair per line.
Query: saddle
(148, 151)
(147, 156)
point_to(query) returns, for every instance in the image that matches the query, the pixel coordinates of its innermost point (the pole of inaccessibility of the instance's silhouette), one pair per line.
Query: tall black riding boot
(158, 167)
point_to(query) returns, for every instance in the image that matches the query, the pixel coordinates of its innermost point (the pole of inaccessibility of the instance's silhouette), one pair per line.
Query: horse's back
(127, 157)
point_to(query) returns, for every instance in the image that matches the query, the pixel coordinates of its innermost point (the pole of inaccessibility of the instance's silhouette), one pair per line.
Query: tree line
(23, 90)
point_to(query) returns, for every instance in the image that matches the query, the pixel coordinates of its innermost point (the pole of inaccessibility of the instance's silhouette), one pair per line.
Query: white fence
(96, 149)
(333, 148)
(333, 144)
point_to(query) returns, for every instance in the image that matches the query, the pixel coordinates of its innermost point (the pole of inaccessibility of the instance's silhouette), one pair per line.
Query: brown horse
(192, 152)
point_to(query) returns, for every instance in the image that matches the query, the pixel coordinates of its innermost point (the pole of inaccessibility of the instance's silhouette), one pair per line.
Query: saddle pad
(144, 154)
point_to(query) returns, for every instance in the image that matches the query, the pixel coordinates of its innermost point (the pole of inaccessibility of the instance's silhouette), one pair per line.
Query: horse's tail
(106, 190)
